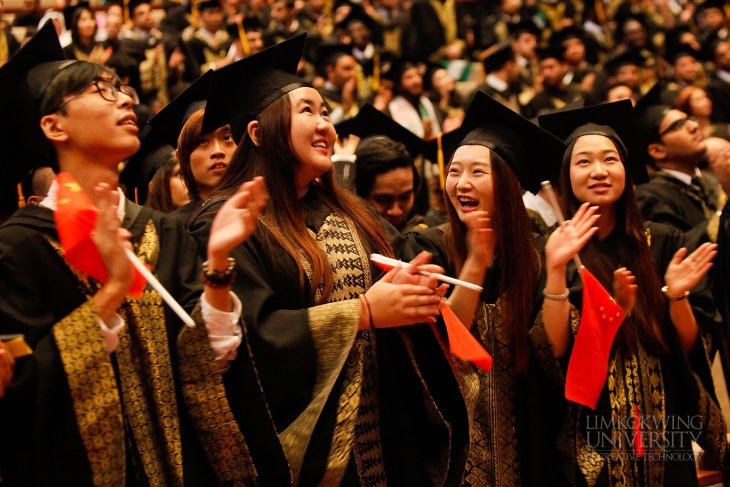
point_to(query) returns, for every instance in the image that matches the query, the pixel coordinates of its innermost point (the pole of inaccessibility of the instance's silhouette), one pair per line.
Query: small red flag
(75, 217)
(599, 322)
(462, 343)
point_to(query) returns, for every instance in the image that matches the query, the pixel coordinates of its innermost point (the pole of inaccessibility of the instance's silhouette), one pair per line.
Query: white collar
(723, 75)
(366, 53)
(684, 177)
(543, 208)
(50, 200)
(497, 83)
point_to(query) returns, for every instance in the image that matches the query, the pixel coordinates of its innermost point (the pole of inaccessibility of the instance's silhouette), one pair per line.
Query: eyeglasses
(677, 125)
(108, 90)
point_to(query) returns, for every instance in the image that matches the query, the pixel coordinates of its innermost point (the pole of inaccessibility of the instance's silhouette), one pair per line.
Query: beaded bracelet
(219, 279)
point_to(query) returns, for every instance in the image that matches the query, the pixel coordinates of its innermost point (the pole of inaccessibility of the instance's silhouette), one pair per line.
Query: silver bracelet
(556, 297)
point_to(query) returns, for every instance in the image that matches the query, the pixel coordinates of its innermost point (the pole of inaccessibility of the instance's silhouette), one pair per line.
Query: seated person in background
(386, 176)
(166, 191)
(36, 183)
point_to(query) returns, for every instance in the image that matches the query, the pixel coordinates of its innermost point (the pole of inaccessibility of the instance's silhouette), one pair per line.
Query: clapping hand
(685, 273)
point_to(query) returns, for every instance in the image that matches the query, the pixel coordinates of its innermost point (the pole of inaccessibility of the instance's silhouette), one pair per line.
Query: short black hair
(378, 155)
(71, 79)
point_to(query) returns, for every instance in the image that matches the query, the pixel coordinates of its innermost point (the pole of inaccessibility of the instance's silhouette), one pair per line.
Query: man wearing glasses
(676, 194)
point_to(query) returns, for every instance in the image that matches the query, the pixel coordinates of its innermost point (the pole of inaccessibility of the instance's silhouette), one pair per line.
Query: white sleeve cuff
(344, 158)
(224, 329)
(111, 332)
(337, 115)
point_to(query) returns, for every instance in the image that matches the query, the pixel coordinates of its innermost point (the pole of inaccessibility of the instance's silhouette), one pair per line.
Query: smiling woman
(342, 398)
(663, 339)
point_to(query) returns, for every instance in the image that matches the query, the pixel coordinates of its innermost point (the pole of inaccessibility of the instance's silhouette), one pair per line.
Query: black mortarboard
(675, 52)
(550, 52)
(68, 13)
(133, 4)
(718, 4)
(143, 165)
(23, 80)
(498, 57)
(168, 123)
(490, 124)
(370, 122)
(240, 91)
(528, 26)
(205, 4)
(357, 15)
(628, 57)
(251, 22)
(565, 34)
(396, 68)
(328, 54)
(650, 113)
(613, 120)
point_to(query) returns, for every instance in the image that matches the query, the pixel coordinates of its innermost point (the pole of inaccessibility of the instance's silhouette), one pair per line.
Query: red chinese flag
(599, 322)
(462, 343)
(75, 217)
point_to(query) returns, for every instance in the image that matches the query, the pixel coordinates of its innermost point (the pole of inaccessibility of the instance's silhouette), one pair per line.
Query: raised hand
(624, 290)
(111, 239)
(394, 305)
(236, 221)
(683, 274)
(7, 365)
(571, 236)
(481, 242)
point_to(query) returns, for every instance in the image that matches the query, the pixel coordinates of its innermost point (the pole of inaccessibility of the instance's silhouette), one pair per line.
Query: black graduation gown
(292, 360)
(42, 443)
(666, 199)
(673, 387)
(200, 54)
(517, 418)
(718, 91)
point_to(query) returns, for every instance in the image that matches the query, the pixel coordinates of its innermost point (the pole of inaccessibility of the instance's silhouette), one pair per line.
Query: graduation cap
(168, 123)
(565, 34)
(708, 4)
(201, 5)
(357, 15)
(613, 120)
(499, 56)
(68, 13)
(250, 23)
(650, 112)
(550, 52)
(240, 91)
(328, 54)
(524, 26)
(142, 166)
(23, 80)
(675, 52)
(370, 121)
(490, 124)
(393, 68)
(629, 57)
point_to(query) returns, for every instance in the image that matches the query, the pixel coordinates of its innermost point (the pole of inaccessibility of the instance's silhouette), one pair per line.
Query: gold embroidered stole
(340, 345)
(4, 47)
(207, 403)
(446, 12)
(493, 458)
(146, 382)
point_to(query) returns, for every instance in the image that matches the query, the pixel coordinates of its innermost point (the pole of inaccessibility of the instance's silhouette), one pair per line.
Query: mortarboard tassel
(21, 198)
(125, 12)
(440, 159)
(195, 14)
(376, 72)
(242, 36)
